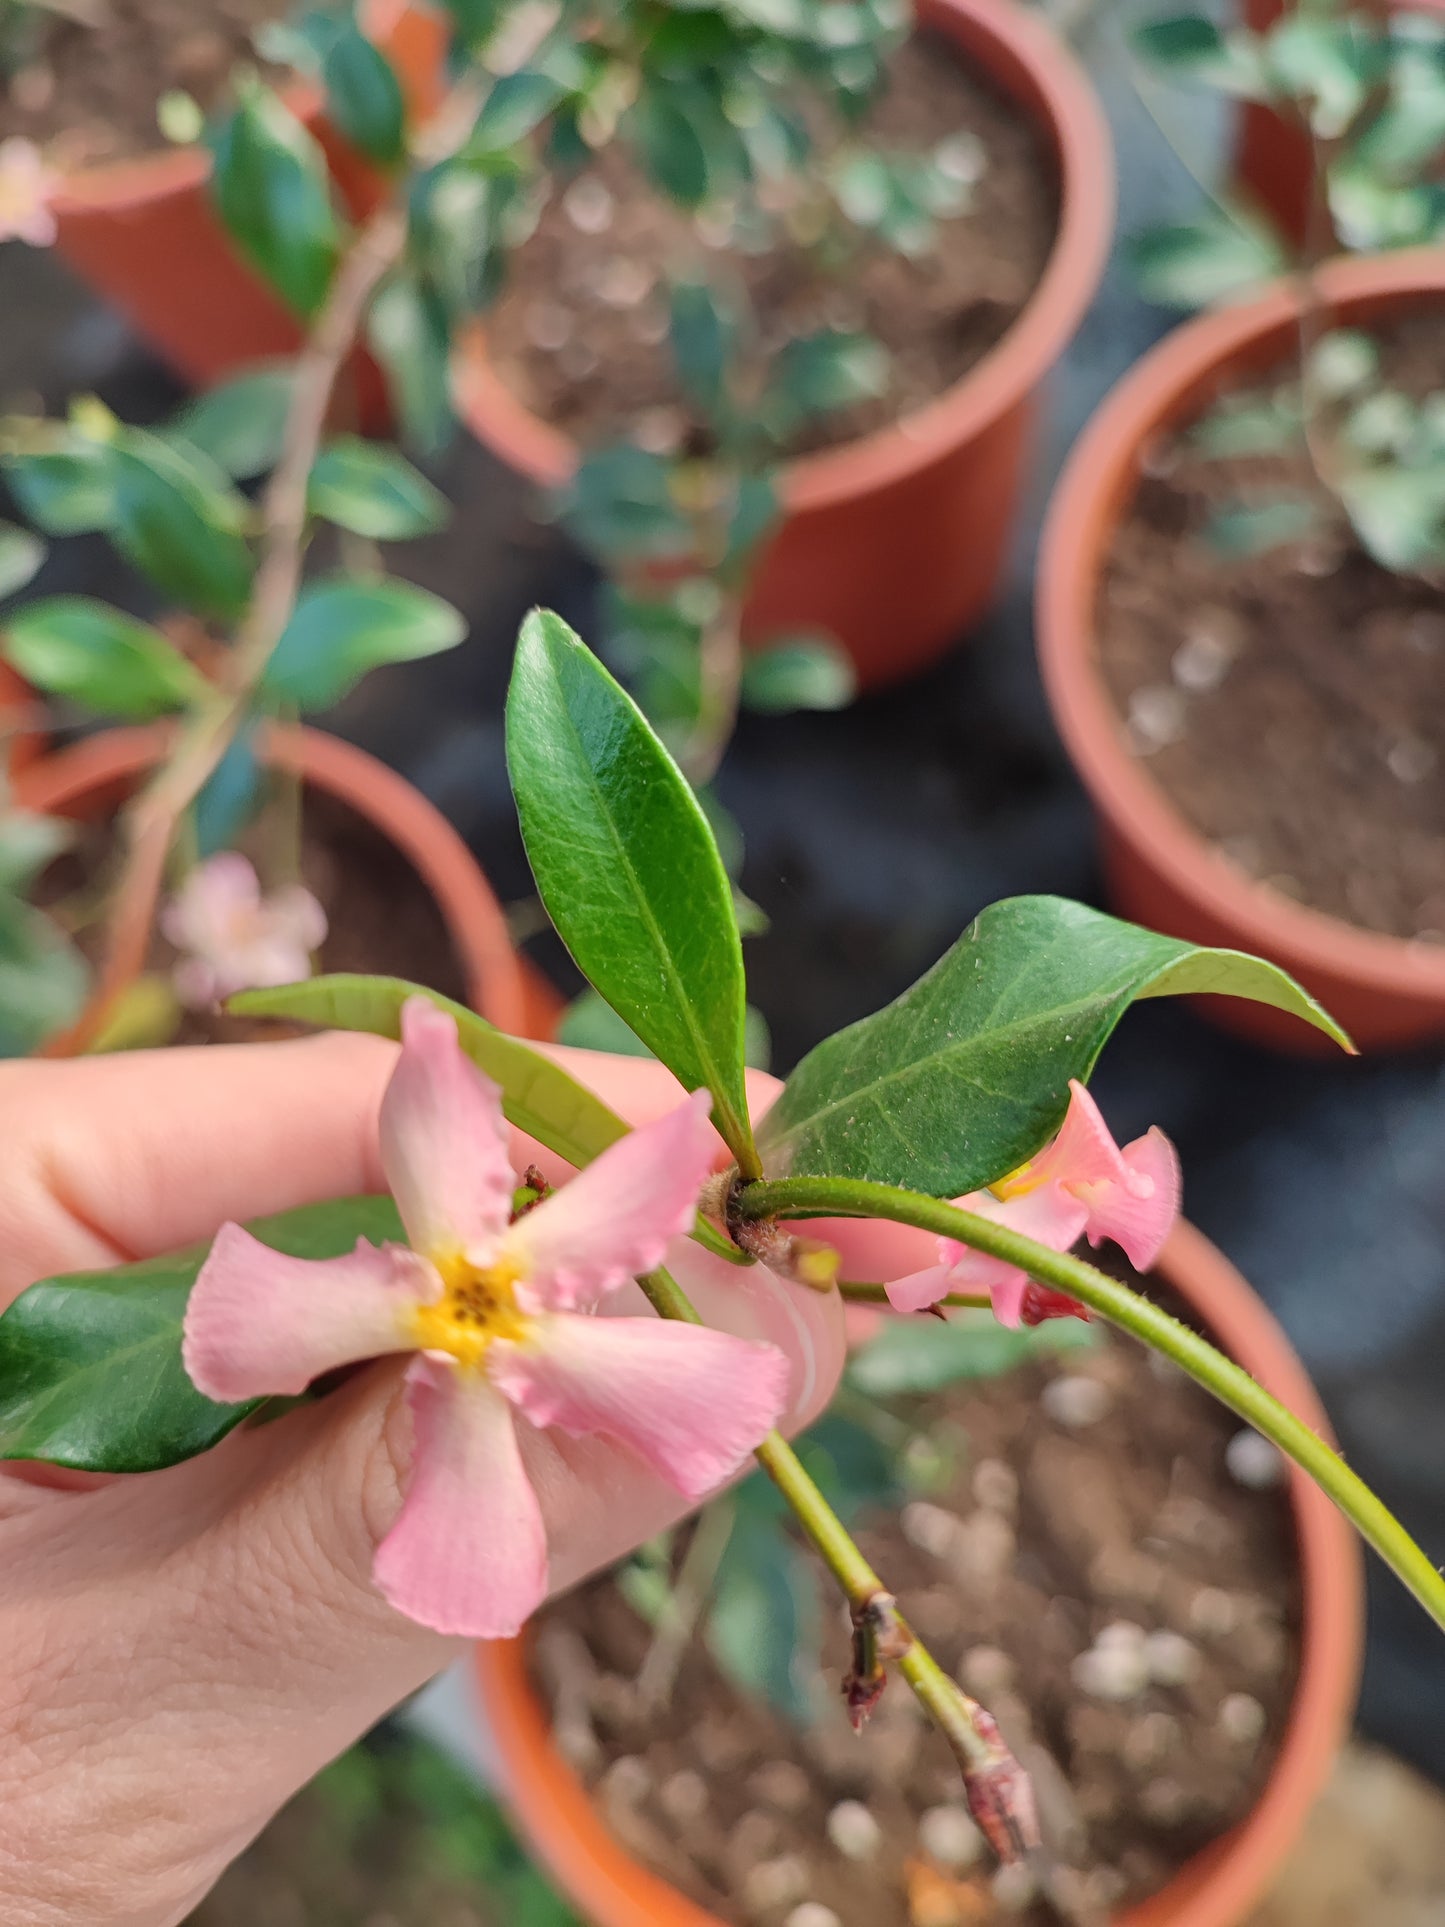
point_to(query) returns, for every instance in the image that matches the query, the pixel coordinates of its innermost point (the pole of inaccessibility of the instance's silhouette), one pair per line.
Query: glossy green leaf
(43, 983)
(407, 332)
(1399, 514)
(966, 1075)
(671, 146)
(21, 556)
(90, 1363)
(538, 1096)
(516, 106)
(1188, 264)
(180, 524)
(802, 672)
(620, 506)
(343, 627)
(363, 96)
(66, 486)
(626, 864)
(475, 20)
(273, 190)
(374, 491)
(240, 424)
(77, 647)
(910, 1356)
(1329, 65)
(1191, 47)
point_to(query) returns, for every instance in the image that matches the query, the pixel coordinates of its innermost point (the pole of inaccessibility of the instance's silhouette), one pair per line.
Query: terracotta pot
(143, 233)
(1214, 1889)
(96, 774)
(1272, 156)
(895, 543)
(20, 742)
(1160, 870)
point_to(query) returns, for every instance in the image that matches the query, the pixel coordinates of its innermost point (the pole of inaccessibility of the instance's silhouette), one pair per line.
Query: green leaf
(28, 842)
(363, 96)
(43, 982)
(917, 1355)
(343, 627)
(180, 525)
(538, 1096)
(65, 487)
(1188, 264)
(407, 332)
(273, 192)
(240, 424)
(90, 1364)
(76, 647)
(819, 373)
(671, 146)
(627, 866)
(1241, 427)
(966, 1075)
(620, 506)
(374, 491)
(1329, 65)
(703, 335)
(1342, 362)
(590, 1023)
(764, 1616)
(229, 794)
(515, 108)
(1254, 528)
(21, 555)
(1399, 515)
(1189, 47)
(799, 672)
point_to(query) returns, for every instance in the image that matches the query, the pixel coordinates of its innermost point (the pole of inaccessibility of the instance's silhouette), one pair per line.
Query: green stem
(850, 1197)
(856, 1293)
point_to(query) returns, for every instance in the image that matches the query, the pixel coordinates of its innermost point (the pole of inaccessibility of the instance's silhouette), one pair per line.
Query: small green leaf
(363, 96)
(180, 524)
(1342, 362)
(342, 628)
(1399, 515)
(90, 1364)
(1328, 65)
(230, 794)
(671, 146)
(620, 506)
(407, 332)
(374, 491)
(627, 866)
(590, 1023)
(76, 647)
(66, 486)
(820, 373)
(28, 842)
(911, 1356)
(703, 335)
(763, 1617)
(799, 672)
(273, 191)
(1254, 528)
(1189, 47)
(966, 1075)
(1188, 264)
(241, 423)
(43, 982)
(21, 556)
(1241, 427)
(515, 108)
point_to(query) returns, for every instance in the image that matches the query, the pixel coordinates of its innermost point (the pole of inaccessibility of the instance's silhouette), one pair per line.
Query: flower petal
(1138, 1213)
(1050, 1214)
(468, 1552)
(920, 1289)
(690, 1401)
(614, 1219)
(1084, 1152)
(261, 1324)
(218, 899)
(444, 1142)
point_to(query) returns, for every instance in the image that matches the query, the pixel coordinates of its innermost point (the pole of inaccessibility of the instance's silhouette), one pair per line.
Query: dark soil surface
(88, 93)
(381, 918)
(1094, 1572)
(581, 333)
(1292, 704)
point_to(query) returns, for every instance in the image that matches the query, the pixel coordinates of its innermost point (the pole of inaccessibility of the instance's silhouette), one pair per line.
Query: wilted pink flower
(1080, 1183)
(500, 1315)
(26, 187)
(233, 938)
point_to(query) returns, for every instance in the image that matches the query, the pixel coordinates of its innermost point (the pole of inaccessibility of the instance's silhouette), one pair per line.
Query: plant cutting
(832, 190)
(495, 1286)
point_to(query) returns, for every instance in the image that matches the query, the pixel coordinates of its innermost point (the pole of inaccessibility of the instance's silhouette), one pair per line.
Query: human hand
(184, 1649)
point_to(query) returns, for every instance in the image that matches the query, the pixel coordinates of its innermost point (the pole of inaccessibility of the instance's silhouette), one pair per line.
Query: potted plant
(726, 1631)
(841, 200)
(882, 1121)
(102, 122)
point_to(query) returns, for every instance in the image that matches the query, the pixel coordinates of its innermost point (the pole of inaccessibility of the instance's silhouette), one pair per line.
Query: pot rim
(1095, 486)
(378, 794)
(1215, 1888)
(1068, 110)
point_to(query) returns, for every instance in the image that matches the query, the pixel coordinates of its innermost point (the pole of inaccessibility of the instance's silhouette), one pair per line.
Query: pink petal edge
(468, 1553)
(1139, 1213)
(690, 1401)
(261, 1324)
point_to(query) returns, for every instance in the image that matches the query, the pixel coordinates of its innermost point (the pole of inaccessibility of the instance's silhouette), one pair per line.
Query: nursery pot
(144, 233)
(1273, 163)
(895, 543)
(1214, 1889)
(95, 776)
(1161, 871)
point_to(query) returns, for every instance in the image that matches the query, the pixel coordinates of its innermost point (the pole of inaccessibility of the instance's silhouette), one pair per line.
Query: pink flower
(499, 1315)
(1081, 1183)
(26, 187)
(233, 938)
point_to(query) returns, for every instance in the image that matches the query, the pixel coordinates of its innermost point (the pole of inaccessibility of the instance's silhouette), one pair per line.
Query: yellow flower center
(477, 1305)
(1018, 1183)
